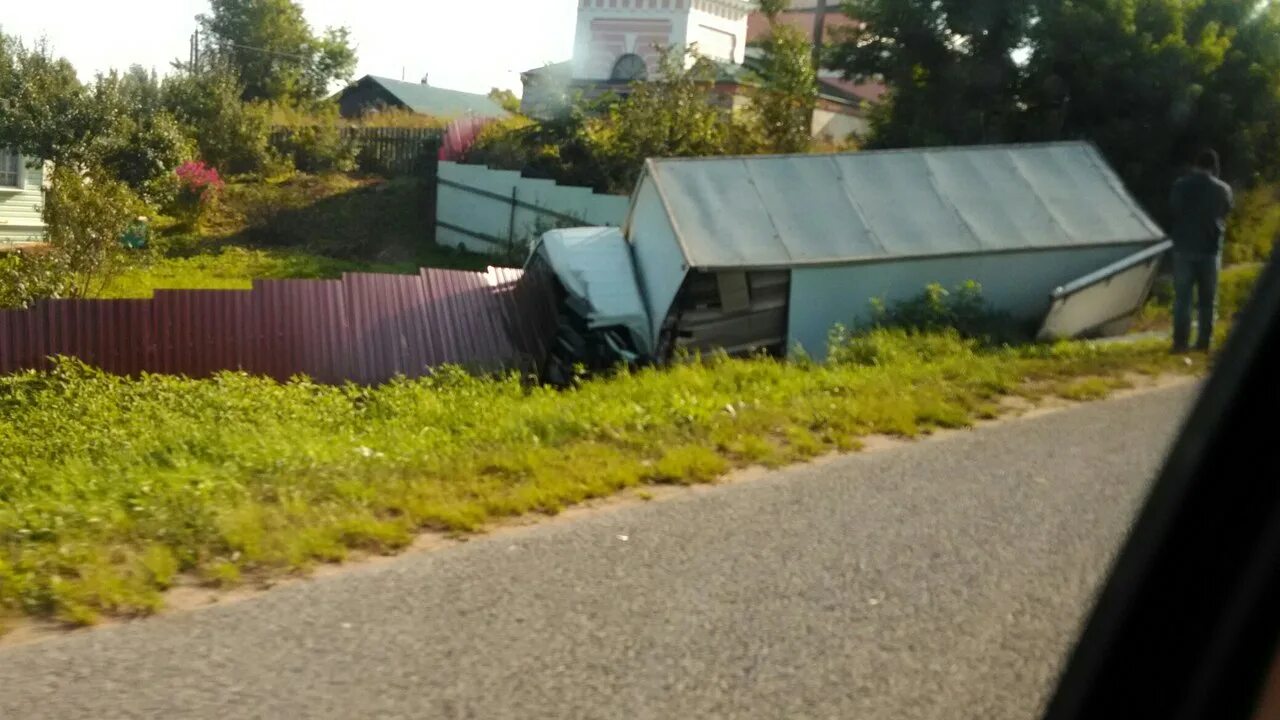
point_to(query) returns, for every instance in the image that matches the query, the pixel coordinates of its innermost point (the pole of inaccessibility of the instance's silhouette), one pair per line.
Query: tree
(1149, 81)
(506, 99)
(784, 102)
(230, 134)
(949, 63)
(86, 212)
(1153, 81)
(603, 143)
(146, 143)
(675, 114)
(48, 114)
(273, 52)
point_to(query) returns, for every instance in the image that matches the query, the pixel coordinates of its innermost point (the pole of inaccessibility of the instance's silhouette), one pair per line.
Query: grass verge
(305, 226)
(233, 268)
(110, 488)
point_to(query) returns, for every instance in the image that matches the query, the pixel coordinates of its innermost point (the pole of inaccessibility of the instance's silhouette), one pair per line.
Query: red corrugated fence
(365, 328)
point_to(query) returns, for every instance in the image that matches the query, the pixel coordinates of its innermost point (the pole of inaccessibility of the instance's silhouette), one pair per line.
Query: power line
(196, 54)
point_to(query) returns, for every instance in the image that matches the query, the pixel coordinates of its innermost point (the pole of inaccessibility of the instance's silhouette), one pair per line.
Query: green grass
(233, 268)
(1093, 388)
(1235, 286)
(302, 227)
(113, 488)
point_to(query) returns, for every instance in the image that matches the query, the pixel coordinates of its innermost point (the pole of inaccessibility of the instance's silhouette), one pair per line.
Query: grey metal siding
(1017, 283)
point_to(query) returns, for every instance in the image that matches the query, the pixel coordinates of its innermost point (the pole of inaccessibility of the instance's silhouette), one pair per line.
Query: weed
(222, 573)
(110, 487)
(1086, 389)
(689, 465)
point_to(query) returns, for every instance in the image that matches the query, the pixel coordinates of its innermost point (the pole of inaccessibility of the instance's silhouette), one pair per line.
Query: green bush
(29, 276)
(86, 214)
(231, 135)
(146, 142)
(1235, 287)
(1254, 226)
(311, 138)
(963, 309)
(317, 149)
(145, 155)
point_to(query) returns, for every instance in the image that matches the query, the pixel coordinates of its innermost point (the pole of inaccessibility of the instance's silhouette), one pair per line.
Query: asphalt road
(944, 579)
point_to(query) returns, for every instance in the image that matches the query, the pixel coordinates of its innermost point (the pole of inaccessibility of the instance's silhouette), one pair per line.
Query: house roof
(795, 210)
(440, 102)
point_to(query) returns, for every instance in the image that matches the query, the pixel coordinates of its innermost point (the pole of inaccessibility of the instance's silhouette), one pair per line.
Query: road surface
(943, 579)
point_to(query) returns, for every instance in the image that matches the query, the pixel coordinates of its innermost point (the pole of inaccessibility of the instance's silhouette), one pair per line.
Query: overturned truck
(744, 254)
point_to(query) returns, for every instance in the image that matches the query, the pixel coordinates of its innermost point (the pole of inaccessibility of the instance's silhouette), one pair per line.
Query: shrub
(1235, 287)
(1254, 226)
(963, 309)
(231, 135)
(29, 276)
(311, 139)
(86, 214)
(198, 188)
(316, 148)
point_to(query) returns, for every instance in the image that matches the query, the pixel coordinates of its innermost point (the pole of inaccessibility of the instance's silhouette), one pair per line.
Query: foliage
(145, 142)
(110, 488)
(85, 215)
(1150, 81)
(603, 144)
(950, 66)
(116, 123)
(313, 141)
(936, 309)
(395, 118)
(29, 276)
(1235, 287)
(783, 105)
(515, 142)
(198, 188)
(675, 114)
(272, 51)
(49, 113)
(231, 135)
(1254, 226)
(506, 99)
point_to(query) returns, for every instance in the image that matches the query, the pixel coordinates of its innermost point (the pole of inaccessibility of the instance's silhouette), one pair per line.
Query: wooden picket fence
(386, 151)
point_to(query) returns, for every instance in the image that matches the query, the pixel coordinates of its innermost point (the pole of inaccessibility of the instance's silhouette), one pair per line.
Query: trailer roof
(794, 210)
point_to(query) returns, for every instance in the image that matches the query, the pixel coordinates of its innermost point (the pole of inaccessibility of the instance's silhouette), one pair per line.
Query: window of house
(10, 169)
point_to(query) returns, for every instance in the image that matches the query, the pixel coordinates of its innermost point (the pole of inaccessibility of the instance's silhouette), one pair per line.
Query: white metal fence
(498, 211)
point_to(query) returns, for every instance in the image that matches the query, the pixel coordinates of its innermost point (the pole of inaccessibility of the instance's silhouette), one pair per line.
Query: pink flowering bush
(198, 188)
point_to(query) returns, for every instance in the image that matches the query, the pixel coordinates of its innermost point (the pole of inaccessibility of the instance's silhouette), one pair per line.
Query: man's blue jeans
(1198, 273)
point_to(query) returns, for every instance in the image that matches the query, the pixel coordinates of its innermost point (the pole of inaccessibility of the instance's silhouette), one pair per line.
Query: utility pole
(819, 33)
(194, 59)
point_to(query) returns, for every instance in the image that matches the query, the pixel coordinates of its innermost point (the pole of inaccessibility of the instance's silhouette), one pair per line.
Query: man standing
(1201, 203)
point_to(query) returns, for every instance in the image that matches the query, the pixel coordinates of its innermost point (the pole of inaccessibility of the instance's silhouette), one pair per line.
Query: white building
(613, 34)
(619, 41)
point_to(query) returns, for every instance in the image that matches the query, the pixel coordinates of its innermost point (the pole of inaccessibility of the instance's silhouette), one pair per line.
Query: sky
(471, 45)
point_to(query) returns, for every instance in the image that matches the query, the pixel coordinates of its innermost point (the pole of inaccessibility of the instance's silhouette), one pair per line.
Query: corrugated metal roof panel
(440, 102)
(783, 211)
